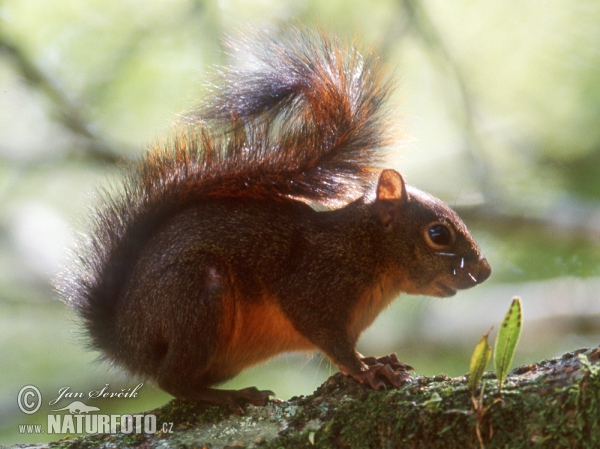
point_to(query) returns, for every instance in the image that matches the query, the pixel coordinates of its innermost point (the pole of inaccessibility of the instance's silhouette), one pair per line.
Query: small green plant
(507, 340)
(504, 351)
(479, 360)
(504, 348)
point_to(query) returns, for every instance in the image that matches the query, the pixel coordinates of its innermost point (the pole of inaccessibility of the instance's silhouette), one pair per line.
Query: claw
(391, 360)
(383, 371)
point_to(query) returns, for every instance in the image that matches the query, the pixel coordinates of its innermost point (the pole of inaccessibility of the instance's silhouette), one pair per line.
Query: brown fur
(208, 260)
(371, 303)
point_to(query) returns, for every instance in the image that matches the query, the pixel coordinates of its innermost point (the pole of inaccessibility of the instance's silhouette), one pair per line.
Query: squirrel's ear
(391, 186)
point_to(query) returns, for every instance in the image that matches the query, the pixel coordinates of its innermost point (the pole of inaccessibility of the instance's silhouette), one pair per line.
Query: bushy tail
(309, 117)
(306, 120)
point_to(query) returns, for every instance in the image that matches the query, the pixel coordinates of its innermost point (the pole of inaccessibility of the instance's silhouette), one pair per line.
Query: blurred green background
(501, 108)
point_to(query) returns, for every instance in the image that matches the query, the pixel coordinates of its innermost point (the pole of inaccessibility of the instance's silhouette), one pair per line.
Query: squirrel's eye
(439, 235)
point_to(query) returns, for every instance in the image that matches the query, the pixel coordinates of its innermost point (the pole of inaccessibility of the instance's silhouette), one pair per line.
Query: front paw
(378, 373)
(390, 359)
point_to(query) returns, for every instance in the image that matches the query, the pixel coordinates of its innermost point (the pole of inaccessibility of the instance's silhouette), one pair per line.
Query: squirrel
(216, 253)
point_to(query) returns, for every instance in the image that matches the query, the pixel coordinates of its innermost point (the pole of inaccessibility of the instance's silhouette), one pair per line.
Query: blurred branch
(427, 32)
(192, 15)
(68, 114)
(566, 221)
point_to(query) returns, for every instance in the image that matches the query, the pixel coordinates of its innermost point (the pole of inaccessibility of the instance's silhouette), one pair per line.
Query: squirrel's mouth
(441, 288)
(444, 290)
(449, 287)
(467, 277)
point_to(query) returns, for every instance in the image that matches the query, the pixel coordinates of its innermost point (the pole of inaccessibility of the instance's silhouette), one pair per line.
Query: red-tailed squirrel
(210, 258)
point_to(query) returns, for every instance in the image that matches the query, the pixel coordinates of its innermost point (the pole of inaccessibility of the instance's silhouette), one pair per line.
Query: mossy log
(551, 404)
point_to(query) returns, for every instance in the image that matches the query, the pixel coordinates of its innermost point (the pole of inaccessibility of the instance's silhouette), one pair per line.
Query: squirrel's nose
(483, 270)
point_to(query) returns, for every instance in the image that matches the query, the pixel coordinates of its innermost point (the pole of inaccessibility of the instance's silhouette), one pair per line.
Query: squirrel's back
(305, 122)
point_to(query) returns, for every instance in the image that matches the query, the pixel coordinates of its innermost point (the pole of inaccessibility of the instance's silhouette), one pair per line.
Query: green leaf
(479, 360)
(507, 339)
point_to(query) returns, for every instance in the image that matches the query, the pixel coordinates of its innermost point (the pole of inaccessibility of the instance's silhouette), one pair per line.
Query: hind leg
(197, 330)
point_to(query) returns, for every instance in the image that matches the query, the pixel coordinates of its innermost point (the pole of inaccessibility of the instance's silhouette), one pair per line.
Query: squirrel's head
(436, 253)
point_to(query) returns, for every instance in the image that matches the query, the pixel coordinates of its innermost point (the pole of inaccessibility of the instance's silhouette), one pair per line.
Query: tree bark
(551, 404)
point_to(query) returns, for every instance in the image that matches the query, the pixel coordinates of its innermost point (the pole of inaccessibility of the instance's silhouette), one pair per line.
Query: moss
(87, 442)
(538, 408)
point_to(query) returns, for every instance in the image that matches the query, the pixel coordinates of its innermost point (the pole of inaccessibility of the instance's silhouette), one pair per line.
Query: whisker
(472, 277)
(446, 254)
(462, 262)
